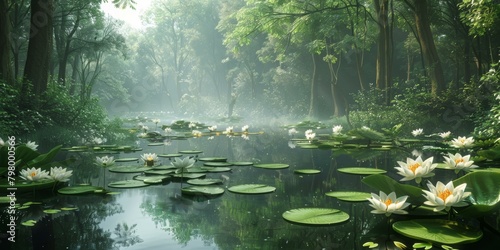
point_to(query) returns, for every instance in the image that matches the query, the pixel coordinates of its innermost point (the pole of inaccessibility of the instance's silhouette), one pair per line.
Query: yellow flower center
(150, 158)
(444, 194)
(388, 202)
(414, 166)
(33, 174)
(457, 161)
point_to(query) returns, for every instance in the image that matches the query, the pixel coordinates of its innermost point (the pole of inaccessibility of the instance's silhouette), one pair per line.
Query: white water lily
(229, 130)
(417, 132)
(32, 174)
(168, 130)
(156, 121)
(462, 142)
(446, 196)
(245, 136)
(60, 174)
(337, 130)
(388, 204)
(445, 135)
(310, 134)
(292, 131)
(149, 158)
(244, 128)
(97, 140)
(192, 125)
(459, 162)
(196, 133)
(182, 164)
(416, 169)
(32, 145)
(105, 161)
(212, 128)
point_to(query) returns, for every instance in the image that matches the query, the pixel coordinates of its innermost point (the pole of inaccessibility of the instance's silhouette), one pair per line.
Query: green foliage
(488, 120)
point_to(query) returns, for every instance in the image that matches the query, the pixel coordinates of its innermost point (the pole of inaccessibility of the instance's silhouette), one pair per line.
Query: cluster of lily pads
(472, 195)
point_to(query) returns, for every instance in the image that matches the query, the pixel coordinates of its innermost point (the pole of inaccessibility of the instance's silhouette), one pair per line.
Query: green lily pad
(159, 172)
(25, 186)
(272, 165)
(315, 216)
(437, 231)
(196, 169)
(84, 189)
(189, 175)
(217, 169)
(129, 169)
(349, 195)
(307, 146)
(193, 152)
(170, 155)
(242, 163)
(217, 164)
(205, 190)
(156, 144)
(51, 211)
(204, 182)
(485, 192)
(386, 184)
(213, 159)
(307, 171)
(68, 208)
(128, 184)
(126, 159)
(156, 179)
(252, 189)
(362, 171)
(29, 223)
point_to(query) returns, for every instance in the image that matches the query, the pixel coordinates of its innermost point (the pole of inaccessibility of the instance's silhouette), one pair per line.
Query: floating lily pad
(156, 179)
(315, 216)
(193, 152)
(25, 186)
(196, 169)
(349, 195)
(485, 192)
(362, 171)
(51, 211)
(129, 169)
(437, 231)
(156, 144)
(307, 146)
(205, 190)
(126, 159)
(170, 155)
(307, 171)
(217, 164)
(217, 169)
(213, 159)
(252, 189)
(163, 167)
(84, 189)
(68, 208)
(204, 182)
(128, 184)
(159, 172)
(272, 165)
(242, 163)
(29, 223)
(189, 175)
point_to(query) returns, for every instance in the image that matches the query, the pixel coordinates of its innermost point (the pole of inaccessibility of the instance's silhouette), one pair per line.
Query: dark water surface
(160, 217)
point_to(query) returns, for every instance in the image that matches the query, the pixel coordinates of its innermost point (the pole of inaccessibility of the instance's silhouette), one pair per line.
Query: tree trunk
(36, 70)
(383, 79)
(6, 73)
(313, 88)
(431, 58)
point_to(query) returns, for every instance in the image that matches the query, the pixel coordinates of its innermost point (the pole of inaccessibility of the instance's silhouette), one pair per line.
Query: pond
(160, 216)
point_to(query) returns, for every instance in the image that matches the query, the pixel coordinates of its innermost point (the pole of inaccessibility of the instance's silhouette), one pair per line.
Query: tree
(6, 73)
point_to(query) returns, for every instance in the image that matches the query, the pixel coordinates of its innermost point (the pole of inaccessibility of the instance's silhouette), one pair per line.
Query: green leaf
(126, 159)
(194, 152)
(51, 211)
(170, 155)
(252, 189)
(217, 164)
(29, 223)
(386, 184)
(362, 171)
(202, 190)
(189, 175)
(315, 216)
(44, 159)
(242, 163)
(203, 182)
(349, 195)
(213, 159)
(271, 165)
(78, 189)
(485, 192)
(437, 231)
(158, 179)
(159, 172)
(129, 169)
(216, 169)
(307, 171)
(127, 184)
(26, 186)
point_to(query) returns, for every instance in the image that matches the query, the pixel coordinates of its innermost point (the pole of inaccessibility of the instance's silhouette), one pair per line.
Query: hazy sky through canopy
(128, 15)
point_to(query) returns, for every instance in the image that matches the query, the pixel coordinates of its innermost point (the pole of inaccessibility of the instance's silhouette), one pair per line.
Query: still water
(160, 217)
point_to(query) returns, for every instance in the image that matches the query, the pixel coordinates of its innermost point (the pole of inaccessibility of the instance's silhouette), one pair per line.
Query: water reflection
(160, 217)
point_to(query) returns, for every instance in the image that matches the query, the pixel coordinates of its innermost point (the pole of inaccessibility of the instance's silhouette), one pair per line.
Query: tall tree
(383, 78)
(6, 73)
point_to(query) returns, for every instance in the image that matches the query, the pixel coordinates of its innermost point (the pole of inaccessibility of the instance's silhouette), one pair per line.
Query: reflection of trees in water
(125, 235)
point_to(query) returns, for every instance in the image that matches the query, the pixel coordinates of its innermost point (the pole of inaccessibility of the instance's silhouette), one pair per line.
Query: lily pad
(362, 171)
(25, 186)
(307, 171)
(51, 211)
(193, 152)
(349, 195)
(242, 163)
(159, 172)
(272, 165)
(252, 189)
(170, 155)
(126, 159)
(387, 185)
(217, 164)
(217, 169)
(196, 169)
(213, 159)
(315, 216)
(437, 231)
(485, 192)
(129, 169)
(205, 190)
(204, 182)
(156, 144)
(128, 184)
(189, 175)
(84, 189)
(155, 179)
(29, 223)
